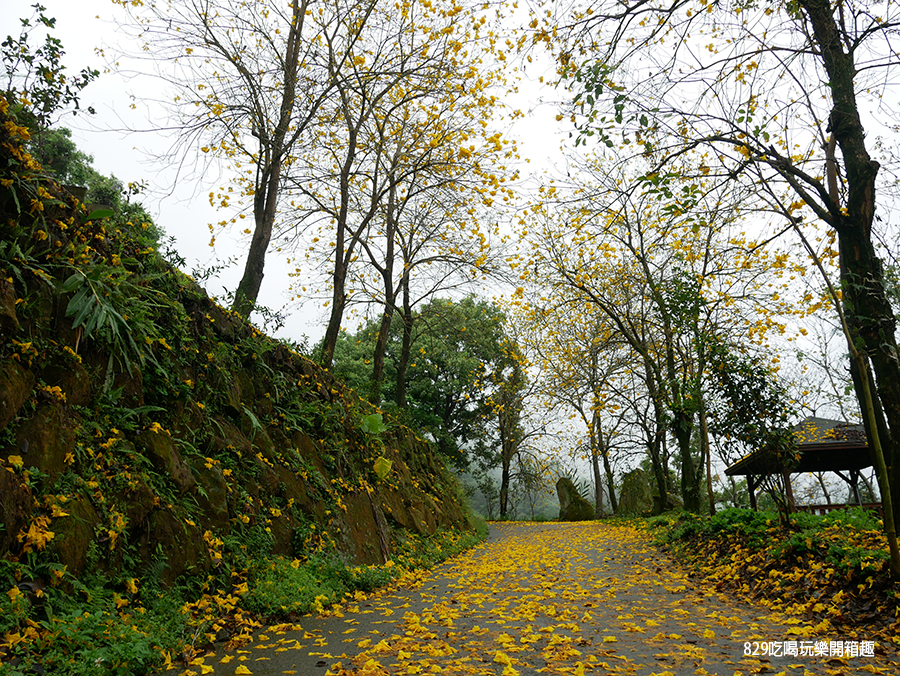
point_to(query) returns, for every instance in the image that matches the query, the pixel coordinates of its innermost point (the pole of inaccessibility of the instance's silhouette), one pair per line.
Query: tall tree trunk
(690, 493)
(384, 331)
(508, 418)
(338, 304)
(881, 469)
(596, 431)
(597, 450)
(405, 347)
(881, 428)
(707, 455)
(864, 304)
(506, 453)
(504, 489)
(341, 257)
(610, 483)
(664, 458)
(387, 276)
(869, 314)
(264, 203)
(268, 176)
(659, 469)
(658, 464)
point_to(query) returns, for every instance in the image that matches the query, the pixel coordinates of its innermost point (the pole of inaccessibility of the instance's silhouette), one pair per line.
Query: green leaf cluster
(36, 78)
(457, 356)
(750, 407)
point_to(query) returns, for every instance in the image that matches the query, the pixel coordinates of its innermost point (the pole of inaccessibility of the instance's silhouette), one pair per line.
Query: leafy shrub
(83, 633)
(854, 517)
(478, 523)
(674, 526)
(369, 578)
(424, 551)
(282, 586)
(99, 643)
(858, 561)
(248, 544)
(750, 525)
(14, 609)
(813, 566)
(795, 544)
(335, 569)
(746, 522)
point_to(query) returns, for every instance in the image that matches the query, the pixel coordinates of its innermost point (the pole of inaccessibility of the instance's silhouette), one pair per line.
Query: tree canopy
(775, 97)
(458, 357)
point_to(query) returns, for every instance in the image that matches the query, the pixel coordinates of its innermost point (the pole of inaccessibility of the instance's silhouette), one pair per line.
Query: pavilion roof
(823, 445)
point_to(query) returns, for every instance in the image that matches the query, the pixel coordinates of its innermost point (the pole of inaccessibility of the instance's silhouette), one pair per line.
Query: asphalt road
(549, 598)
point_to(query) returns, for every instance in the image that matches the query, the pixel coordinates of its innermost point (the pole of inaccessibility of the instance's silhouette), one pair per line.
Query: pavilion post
(751, 487)
(854, 485)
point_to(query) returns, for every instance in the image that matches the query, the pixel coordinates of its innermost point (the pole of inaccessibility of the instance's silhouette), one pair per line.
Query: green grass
(762, 531)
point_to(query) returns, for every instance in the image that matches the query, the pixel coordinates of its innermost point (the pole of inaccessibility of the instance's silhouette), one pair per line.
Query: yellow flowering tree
(247, 82)
(775, 96)
(36, 83)
(404, 165)
(661, 261)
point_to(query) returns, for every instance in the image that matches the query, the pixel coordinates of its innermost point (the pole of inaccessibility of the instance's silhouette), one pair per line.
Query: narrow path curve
(552, 598)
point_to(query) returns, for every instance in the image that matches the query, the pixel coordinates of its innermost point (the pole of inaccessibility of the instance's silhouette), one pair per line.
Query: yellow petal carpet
(549, 598)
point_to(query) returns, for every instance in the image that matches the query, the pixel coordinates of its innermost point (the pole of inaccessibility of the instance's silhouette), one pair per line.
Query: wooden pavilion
(824, 446)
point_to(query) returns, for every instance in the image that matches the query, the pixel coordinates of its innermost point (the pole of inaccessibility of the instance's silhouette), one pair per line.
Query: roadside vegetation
(87, 628)
(172, 479)
(828, 573)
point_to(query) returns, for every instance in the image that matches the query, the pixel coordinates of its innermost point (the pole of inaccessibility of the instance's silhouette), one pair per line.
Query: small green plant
(123, 417)
(281, 586)
(746, 522)
(672, 527)
(425, 551)
(854, 517)
(255, 425)
(369, 578)
(382, 467)
(373, 424)
(248, 543)
(103, 296)
(81, 631)
(857, 561)
(798, 543)
(748, 525)
(330, 566)
(478, 523)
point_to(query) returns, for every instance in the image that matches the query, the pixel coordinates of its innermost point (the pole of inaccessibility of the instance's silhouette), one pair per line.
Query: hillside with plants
(170, 475)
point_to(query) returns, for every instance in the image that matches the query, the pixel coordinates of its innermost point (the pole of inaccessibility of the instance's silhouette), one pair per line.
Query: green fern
(93, 309)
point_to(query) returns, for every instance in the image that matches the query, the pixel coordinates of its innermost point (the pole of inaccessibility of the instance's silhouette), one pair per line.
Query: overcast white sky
(183, 212)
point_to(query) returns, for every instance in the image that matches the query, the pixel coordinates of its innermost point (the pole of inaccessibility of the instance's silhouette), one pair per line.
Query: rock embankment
(145, 428)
